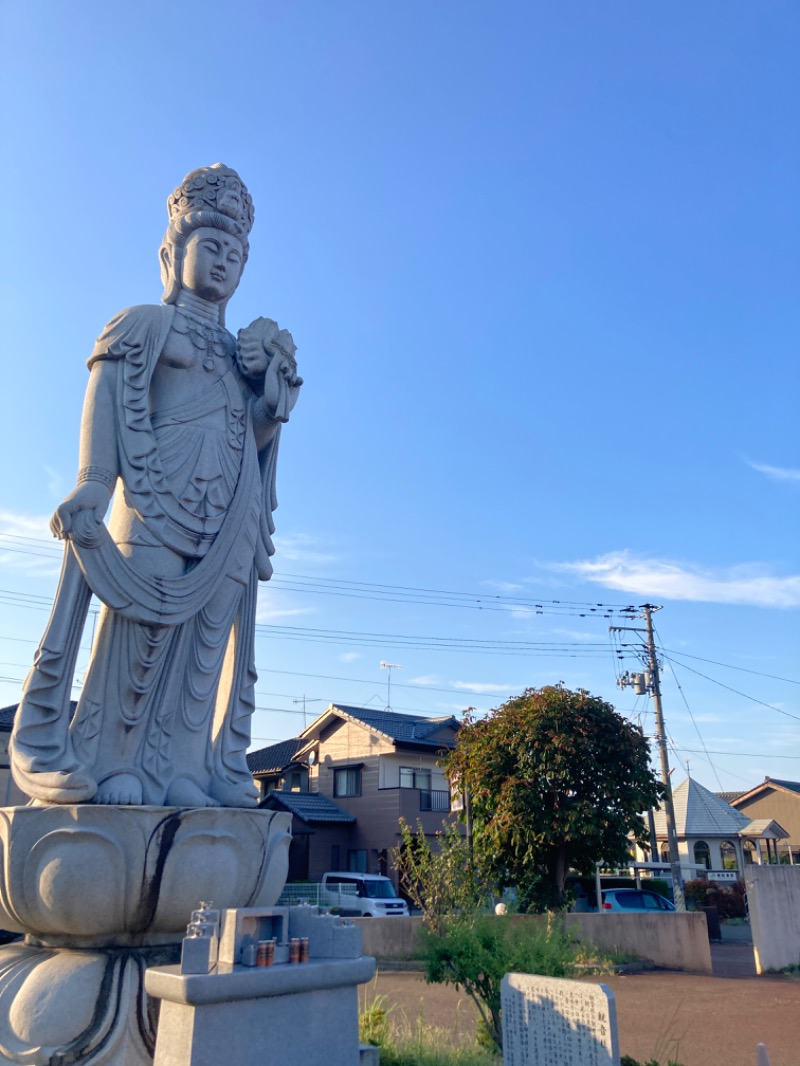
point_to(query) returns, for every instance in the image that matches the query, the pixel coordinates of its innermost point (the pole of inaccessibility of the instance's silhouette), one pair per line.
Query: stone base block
(277, 1016)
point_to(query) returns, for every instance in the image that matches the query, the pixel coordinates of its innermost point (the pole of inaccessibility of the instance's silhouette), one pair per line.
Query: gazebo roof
(700, 813)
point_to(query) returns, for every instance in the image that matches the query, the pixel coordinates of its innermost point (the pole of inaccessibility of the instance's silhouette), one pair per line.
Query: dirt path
(698, 1021)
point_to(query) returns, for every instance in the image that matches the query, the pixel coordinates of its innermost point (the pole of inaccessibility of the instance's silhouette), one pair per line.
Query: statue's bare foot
(241, 793)
(122, 789)
(185, 793)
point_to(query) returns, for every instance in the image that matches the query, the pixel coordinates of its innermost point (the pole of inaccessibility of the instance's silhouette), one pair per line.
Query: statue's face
(212, 264)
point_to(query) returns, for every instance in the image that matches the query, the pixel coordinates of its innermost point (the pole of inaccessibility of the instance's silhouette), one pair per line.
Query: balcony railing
(434, 799)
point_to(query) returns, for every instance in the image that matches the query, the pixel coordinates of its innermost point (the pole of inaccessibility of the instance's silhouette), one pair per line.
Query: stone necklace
(208, 338)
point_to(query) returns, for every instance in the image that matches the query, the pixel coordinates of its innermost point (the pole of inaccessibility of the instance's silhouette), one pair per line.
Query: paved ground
(698, 1021)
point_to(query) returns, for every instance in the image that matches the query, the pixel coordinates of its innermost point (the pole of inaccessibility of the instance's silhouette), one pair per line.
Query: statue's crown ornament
(214, 188)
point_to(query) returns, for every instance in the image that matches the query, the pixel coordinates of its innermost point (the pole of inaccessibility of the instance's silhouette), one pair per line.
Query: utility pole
(650, 682)
(661, 740)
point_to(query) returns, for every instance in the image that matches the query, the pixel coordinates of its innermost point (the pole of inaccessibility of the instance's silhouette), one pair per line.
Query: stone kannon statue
(181, 425)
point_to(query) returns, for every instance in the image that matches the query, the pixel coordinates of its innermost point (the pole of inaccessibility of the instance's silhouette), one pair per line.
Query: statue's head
(213, 197)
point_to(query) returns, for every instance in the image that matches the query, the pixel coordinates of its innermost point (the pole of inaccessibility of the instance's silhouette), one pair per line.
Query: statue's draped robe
(168, 694)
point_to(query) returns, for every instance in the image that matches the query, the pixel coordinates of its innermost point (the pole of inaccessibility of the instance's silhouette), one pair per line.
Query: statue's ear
(166, 261)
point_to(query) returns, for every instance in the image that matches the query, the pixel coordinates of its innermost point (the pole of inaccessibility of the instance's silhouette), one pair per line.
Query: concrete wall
(389, 938)
(674, 941)
(773, 899)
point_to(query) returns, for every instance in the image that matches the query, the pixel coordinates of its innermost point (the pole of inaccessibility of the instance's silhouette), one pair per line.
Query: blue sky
(540, 262)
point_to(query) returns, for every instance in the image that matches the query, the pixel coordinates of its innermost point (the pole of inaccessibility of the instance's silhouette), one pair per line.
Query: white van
(374, 895)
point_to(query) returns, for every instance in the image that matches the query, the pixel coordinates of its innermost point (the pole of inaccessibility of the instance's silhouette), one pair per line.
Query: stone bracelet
(97, 473)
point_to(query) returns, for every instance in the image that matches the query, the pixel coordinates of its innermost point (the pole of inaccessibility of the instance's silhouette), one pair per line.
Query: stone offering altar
(142, 803)
(301, 1014)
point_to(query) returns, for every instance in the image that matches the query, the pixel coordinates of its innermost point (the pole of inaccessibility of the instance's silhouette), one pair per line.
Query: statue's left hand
(81, 514)
(281, 387)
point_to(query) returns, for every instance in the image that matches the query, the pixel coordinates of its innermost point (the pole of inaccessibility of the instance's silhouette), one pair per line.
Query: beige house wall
(782, 807)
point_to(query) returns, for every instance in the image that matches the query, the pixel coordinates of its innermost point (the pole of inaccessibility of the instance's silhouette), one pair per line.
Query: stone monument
(552, 1021)
(142, 803)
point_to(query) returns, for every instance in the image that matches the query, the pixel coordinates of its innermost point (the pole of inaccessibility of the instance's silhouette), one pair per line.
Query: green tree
(556, 780)
(442, 881)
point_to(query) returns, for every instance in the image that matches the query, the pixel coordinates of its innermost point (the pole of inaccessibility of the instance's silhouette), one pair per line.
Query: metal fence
(334, 896)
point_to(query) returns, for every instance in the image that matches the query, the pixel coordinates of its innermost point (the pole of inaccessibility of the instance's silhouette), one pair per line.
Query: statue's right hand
(81, 512)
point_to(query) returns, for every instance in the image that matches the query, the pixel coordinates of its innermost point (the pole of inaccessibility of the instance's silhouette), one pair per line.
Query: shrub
(727, 898)
(473, 952)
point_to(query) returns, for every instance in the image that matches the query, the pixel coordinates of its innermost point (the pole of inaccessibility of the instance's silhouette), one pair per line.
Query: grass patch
(402, 1043)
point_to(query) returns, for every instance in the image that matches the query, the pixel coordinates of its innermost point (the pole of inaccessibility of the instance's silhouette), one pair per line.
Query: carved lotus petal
(127, 875)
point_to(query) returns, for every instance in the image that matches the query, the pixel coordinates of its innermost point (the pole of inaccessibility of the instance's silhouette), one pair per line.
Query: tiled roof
(403, 728)
(7, 714)
(307, 806)
(792, 786)
(729, 797)
(700, 813)
(274, 758)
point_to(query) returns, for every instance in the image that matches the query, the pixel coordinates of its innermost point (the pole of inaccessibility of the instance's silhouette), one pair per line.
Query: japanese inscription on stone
(549, 1021)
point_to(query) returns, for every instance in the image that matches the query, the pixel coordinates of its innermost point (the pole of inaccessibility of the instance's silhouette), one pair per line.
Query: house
(348, 780)
(10, 793)
(777, 800)
(715, 840)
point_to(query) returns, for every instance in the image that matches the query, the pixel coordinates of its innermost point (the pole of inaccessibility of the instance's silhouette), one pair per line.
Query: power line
(432, 643)
(744, 695)
(730, 666)
(740, 754)
(393, 593)
(689, 709)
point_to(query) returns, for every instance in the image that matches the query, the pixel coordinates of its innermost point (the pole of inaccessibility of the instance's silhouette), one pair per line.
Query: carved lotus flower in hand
(260, 343)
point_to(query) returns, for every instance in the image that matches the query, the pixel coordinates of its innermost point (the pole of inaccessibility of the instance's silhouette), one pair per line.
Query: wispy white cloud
(520, 612)
(27, 546)
(25, 525)
(750, 584)
(273, 609)
(349, 656)
(55, 482)
(302, 549)
(574, 634)
(425, 679)
(481, 687)
(504, 588)
(777, 473)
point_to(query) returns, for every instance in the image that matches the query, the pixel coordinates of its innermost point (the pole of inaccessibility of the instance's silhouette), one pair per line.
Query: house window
(411, 778)
(347, 781)
(665, 853)
(702, 854)
(357, 860)
(336, 856)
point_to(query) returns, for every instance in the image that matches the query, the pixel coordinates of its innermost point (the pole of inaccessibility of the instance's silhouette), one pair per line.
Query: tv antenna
(304, 700)
(389, 667)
